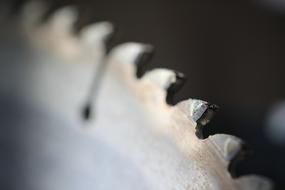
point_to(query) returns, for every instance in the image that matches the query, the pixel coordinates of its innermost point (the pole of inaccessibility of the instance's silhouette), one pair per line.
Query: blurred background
(233, 54)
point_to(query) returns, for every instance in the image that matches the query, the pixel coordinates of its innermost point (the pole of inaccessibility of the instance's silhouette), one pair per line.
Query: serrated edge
(127, 54)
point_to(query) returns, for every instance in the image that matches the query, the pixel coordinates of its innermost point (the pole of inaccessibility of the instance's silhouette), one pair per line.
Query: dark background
(232, 52)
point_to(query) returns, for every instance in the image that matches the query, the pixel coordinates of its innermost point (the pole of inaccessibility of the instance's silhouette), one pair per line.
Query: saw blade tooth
(96, 34)
(167, 80)
(128, 55)
(143, 59)
(33, 12)
(63, 19)
(193, 108)
(198, 110)
(208, 114)
(162, 78)
(254, 182)
(227, 145)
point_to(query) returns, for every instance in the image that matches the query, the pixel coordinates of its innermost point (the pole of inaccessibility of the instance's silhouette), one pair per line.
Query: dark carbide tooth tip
(213, 107)
(175, 87)
(149, 48)
(86, 113)
(143, 59)
(109, 39)
(180, 76)
(180, 79)
(244, 152)
(205, 119)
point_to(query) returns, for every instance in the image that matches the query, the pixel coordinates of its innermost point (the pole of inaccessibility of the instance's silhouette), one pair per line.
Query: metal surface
(137, 140)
